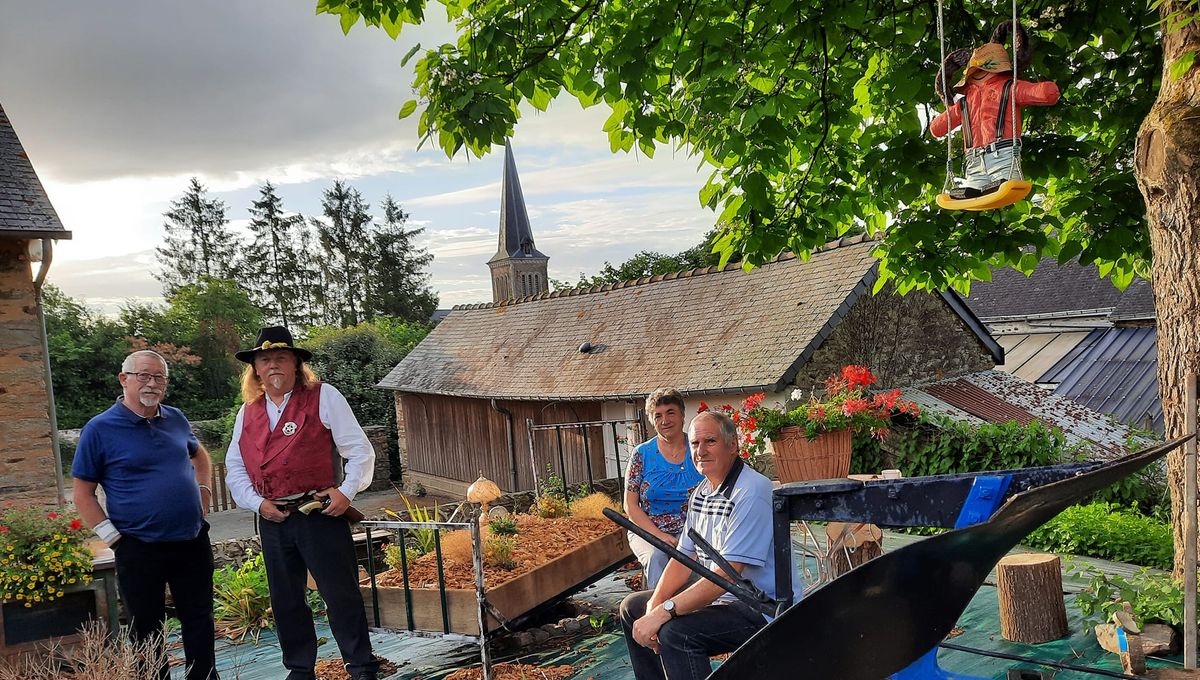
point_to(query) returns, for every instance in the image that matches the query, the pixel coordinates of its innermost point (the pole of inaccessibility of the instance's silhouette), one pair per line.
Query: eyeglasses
(147, 377)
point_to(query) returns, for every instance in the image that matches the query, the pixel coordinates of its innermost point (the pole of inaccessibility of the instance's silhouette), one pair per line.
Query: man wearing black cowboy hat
(280, 462)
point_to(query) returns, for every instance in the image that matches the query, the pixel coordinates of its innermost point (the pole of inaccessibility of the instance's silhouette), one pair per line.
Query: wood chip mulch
(335, 669)
(538, 542)
(515, 671)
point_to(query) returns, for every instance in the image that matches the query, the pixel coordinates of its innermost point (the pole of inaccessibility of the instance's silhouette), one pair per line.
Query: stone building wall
(903, 339)
(26, 449)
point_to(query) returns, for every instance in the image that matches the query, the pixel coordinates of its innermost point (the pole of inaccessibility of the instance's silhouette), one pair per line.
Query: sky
(118, 104)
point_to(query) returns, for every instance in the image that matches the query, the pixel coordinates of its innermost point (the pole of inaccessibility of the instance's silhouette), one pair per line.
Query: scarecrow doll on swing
(989, 112)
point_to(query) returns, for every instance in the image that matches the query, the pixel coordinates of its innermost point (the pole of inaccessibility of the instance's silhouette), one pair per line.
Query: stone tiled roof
(704, 331)
(25, 210)
(1137, 303)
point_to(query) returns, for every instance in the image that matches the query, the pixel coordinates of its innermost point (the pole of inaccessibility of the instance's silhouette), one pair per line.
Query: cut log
(852, 545)
(1031, 598)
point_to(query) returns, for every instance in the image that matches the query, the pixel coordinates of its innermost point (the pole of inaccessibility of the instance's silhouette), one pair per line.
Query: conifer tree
(198, 241)
(399, 279)
(271, 266)
(345, 238)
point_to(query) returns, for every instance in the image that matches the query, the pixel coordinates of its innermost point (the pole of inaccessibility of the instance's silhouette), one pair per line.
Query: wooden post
(1031, 598)
(851, 545)
(1189, 527)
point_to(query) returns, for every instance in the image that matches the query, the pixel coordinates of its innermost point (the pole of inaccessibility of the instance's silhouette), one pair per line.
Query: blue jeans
(687, 641)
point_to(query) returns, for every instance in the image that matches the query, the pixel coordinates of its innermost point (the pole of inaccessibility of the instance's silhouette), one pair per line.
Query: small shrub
(422, 538)
(548, 507)
(456, 547)
(242, 599)
(1155, 597)
(391, 556)
(503, 526)
(498, 552)
(418, 489)
(593, 506)
(1109, 532)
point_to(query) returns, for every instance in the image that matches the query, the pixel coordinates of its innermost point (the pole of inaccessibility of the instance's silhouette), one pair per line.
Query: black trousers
(321, 545)
(145, 569)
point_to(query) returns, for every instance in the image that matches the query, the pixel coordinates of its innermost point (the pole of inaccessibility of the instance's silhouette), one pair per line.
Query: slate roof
(25, 210)
(515, 232)
(705, 332)
(1051, 289)
(1137, 303)
(998, 397)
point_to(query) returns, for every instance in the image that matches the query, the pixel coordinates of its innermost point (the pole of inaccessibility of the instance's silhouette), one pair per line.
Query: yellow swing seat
(1010, 192)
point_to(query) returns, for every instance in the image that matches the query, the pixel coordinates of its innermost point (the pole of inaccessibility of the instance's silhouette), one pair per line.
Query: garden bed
(552, 555)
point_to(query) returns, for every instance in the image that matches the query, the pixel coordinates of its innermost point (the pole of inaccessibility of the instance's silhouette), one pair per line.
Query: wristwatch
(669, 607)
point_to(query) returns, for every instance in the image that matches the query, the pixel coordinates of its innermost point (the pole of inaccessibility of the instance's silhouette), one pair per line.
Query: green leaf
(348, 19)
(408, 108)
(1181, 65)
(409, 54)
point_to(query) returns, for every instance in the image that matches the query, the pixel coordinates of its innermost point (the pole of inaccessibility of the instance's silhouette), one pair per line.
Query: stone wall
(27, 463)
(903, 339)
(377, 434)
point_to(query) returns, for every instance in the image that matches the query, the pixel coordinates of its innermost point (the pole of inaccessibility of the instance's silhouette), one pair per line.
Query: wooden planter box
(511, 599)
(32, 629)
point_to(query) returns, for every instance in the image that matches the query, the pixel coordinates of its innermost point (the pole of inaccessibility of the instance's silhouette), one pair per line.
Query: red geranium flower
(52, 515)
(76, 525)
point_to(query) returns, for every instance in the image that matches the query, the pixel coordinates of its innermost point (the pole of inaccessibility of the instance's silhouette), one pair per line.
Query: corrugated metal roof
(1114, 372)
(1007, 393)
(979, 402)
(1029, 355)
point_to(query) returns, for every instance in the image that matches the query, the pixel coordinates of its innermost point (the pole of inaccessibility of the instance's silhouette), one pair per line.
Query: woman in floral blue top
(659, 481)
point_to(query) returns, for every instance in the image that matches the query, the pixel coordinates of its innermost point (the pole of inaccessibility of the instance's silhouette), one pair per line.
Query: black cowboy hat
(273, 337)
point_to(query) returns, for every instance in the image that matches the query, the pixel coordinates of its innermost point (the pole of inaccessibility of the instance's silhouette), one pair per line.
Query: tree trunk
(1029, 589)
(1167, 166)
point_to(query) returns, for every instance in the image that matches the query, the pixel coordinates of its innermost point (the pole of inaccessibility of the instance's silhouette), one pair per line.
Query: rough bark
(1167, 166)
(1029, 590)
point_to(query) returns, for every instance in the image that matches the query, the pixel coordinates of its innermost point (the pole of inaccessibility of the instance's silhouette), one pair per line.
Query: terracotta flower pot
(799, 459)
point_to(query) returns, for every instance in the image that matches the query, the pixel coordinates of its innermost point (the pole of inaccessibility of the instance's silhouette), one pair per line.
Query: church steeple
(518, 267)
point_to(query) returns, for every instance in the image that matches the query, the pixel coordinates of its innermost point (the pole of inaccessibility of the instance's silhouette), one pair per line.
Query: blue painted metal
(985, 497)
(927, 668)
(1114, 372)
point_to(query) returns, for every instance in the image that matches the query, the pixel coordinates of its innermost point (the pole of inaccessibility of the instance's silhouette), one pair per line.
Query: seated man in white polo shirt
(672, 631)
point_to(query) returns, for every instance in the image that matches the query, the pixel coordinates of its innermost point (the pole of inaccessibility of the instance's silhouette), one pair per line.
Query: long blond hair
(252, 387)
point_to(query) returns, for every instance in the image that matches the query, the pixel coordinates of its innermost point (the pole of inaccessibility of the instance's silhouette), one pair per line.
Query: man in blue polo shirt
(154, 473)
(672, 631)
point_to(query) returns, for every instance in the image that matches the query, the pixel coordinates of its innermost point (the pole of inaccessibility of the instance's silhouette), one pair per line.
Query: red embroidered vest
(295, 457)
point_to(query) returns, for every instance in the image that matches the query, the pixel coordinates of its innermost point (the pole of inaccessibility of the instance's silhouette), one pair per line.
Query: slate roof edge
(34, 234)
(973, 324)
(701, 271)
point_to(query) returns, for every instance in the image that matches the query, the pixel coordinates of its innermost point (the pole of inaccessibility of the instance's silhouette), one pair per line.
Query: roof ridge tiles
(784, 256)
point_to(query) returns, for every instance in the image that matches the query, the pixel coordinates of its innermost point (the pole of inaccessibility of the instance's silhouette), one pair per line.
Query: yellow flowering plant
(42, 554)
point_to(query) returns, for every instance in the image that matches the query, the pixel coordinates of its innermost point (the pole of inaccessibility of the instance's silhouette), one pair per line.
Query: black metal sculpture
(875, 621)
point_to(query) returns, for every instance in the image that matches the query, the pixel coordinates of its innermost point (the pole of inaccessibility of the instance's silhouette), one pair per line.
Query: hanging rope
(1014, 168)
(946, 96)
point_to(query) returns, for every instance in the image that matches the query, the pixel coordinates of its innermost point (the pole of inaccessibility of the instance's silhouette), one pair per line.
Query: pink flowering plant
(847, 403)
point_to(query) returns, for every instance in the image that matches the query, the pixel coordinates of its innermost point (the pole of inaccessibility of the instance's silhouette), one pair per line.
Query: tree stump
(852, 545)
(1031, 598)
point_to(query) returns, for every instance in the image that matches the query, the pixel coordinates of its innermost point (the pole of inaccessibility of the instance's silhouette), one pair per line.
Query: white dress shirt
(348, 436)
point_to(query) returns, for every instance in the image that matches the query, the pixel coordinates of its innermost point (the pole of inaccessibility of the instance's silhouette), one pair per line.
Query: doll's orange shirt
(983, 105)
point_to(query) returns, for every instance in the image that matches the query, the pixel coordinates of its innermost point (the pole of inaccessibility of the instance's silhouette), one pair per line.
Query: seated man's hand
(337, 501)
(645, 629)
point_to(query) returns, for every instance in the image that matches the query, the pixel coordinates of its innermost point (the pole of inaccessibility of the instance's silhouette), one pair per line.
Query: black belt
(994, 146)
